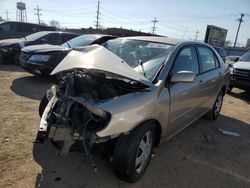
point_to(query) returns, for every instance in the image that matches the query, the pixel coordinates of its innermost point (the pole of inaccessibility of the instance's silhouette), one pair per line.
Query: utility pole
(7, 15)
(38, 14)
(196, 35)
(184, 33)
(98, 16)
(239, 20)
(154, 28)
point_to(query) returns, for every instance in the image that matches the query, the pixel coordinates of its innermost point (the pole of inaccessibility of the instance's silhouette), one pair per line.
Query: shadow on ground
(199, 156)
(33, 87)
(241, 94)
(11, 68)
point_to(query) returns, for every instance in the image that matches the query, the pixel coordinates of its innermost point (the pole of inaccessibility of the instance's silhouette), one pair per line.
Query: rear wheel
(215, 111)
(132, 153)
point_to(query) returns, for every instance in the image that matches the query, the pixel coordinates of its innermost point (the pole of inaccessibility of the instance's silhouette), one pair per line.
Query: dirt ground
(200, 156)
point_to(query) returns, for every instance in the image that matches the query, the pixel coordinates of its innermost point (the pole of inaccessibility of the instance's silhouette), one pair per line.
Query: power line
(7, 15)
(240, 20)
(154, 28)
(98, 15)
(38, 14)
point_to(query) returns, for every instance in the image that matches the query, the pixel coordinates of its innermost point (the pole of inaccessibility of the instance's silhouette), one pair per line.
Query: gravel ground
(199, 156)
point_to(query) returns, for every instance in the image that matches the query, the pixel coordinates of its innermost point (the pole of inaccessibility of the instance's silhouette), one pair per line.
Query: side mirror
(236, 59)
(183, 76)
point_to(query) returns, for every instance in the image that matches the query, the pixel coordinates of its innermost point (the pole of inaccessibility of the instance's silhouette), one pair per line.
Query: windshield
(36, 36)
(82, 40)
(145, 57)
(246, 57)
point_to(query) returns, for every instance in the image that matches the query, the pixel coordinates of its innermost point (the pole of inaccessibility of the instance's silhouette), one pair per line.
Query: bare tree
(54, 23)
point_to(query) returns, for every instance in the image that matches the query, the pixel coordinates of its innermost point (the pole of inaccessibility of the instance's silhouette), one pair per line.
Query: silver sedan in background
(132, 92)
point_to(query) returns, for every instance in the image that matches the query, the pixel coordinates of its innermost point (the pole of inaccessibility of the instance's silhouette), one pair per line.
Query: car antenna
(140, 62)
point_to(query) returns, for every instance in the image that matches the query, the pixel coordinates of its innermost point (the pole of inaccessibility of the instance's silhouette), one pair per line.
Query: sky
(176, 18)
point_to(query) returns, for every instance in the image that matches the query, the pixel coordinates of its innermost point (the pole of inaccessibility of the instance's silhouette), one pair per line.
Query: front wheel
(132, 153)
(215, 111)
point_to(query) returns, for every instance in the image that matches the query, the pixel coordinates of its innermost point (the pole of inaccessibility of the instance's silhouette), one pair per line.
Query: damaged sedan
(132, 92)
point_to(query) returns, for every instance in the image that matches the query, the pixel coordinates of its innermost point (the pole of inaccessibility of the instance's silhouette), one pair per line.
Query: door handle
(202, 83)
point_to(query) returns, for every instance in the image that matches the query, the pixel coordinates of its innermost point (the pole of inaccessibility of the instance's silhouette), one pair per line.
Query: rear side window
(208, 60)
(186, 60)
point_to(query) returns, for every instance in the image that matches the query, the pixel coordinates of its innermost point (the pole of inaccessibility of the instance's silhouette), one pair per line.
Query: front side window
(208, 60)
(186, 60)
(54, 38)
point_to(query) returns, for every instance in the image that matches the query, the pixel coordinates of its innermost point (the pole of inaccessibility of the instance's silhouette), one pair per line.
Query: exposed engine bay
(72, 114)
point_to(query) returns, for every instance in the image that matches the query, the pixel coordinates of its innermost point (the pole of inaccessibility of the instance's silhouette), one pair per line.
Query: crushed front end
(72, 115)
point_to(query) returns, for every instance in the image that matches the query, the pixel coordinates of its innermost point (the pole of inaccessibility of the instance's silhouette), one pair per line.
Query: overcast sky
(177, 18)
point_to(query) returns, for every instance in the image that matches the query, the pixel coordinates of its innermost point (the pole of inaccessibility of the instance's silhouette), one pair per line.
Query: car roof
(157, 39)
(61, 32)
(98, 35)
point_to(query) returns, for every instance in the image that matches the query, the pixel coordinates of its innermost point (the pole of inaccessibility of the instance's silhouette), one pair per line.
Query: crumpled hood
(242, 65)
(42, 48)
(97, 57)
(8, 42)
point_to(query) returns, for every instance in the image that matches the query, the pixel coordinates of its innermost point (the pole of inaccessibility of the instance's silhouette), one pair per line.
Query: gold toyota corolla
(132, 93)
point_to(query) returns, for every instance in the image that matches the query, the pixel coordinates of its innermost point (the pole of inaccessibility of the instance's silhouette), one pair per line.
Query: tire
(136, 145)
(215, 111)
(230, 88)
(43, 105)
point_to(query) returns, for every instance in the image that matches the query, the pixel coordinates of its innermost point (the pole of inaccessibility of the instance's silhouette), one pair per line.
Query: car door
(210, 74)
(184, 96)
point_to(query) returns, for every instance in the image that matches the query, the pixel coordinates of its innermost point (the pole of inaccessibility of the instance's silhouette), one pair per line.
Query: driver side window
(186, 60)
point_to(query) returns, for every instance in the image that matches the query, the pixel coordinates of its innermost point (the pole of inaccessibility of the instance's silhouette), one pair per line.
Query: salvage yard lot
(200, 156)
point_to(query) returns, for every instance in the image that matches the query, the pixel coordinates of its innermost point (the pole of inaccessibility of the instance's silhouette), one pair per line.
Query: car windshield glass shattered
(36, 36)
(83, 40)
(246, 57)
(145, 57)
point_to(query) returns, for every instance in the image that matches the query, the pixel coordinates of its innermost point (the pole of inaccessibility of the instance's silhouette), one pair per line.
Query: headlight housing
(41, 58)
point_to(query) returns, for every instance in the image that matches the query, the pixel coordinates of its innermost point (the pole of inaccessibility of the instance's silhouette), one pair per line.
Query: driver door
(185, 98)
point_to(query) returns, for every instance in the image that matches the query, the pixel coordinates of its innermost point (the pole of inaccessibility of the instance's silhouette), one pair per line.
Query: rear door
(210, 74)
(185, 97)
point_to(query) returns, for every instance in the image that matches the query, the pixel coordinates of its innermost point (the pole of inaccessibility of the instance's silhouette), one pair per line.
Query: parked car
(230, 60)
(10, 48)
(42, 59)
(132, 92)
(12, 29)
(240, 73)
(221, 52)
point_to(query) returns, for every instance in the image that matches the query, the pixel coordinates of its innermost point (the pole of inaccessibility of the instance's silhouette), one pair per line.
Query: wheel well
(158, 130)
(223, 90)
